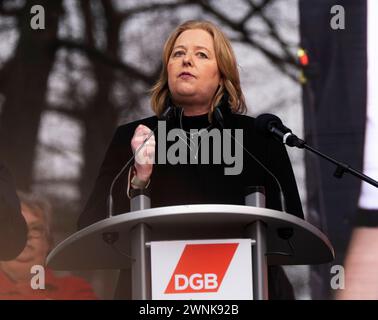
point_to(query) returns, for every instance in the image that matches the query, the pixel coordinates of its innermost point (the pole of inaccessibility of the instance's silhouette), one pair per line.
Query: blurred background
(64, 90)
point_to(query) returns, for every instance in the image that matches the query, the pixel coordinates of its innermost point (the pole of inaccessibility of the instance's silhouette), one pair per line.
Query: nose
(187, 60)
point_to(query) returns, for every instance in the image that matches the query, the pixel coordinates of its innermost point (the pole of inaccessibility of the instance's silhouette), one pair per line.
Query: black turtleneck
(194, 122)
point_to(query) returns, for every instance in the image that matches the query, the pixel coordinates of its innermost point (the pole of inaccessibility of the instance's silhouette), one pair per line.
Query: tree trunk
(100, 117)
(25, 91)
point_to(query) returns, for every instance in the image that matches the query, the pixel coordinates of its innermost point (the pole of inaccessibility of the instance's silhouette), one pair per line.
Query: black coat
(13, 228)
(196, 183)
(201, 183)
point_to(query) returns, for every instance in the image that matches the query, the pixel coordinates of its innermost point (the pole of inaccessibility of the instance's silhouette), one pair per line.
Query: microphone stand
(341, 167)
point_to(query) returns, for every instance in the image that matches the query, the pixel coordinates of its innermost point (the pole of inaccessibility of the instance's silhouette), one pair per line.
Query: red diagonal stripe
(213, 258)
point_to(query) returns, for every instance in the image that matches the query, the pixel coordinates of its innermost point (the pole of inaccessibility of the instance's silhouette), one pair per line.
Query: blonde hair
(230, 80)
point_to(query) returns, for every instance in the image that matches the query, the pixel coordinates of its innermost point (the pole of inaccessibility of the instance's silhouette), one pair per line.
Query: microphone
(270, 124)
(166, 115)
(282, 198)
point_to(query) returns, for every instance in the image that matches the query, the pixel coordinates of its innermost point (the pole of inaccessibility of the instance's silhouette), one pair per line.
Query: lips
(186, 75)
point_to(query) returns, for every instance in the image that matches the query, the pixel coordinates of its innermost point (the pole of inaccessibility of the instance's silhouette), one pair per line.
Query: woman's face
(36, 248)
(193, 74)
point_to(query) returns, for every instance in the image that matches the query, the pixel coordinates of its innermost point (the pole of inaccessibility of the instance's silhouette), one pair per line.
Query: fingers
(140, 135)
(143, 149)
(142, 130)
(141, 139)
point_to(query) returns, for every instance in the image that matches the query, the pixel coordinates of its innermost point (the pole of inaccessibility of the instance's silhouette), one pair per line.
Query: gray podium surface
(86, 249)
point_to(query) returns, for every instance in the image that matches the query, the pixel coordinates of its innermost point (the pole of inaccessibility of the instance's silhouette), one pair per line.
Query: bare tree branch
(274, 33)
(4, 27)
(76, 113)
(57, 150)
(106, 59)
(277, 60)
(254, 9)
(86, 9)
(60, 181)
(154, 6)
(9, 12)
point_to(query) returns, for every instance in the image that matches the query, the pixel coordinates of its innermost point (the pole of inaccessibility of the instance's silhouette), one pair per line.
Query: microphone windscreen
(265, 121)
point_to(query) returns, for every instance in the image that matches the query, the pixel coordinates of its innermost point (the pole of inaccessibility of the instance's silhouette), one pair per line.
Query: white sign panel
(202, 269)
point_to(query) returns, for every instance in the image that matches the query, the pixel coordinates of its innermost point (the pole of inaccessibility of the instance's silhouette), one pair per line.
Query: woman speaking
(205, 151)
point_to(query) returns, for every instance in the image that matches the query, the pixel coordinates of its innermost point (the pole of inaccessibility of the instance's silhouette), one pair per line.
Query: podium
(122, 241)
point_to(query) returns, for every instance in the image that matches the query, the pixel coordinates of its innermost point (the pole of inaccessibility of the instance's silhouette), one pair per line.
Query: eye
(202, 55)
(178, 53)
